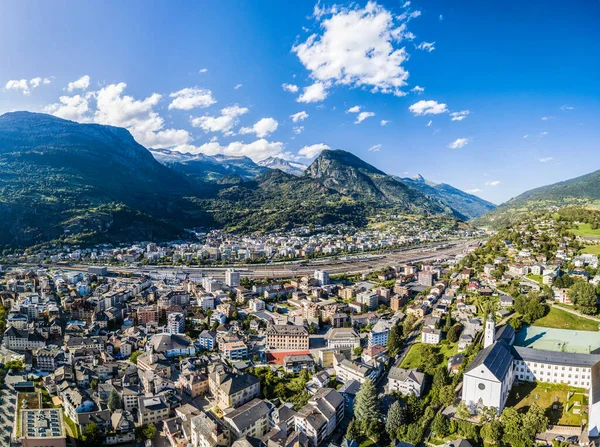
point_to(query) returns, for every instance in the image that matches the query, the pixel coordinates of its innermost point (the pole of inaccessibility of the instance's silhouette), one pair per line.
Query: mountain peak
(333, 160)
(289, 167)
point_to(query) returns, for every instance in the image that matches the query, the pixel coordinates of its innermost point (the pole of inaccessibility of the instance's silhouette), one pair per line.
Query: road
(351, 265)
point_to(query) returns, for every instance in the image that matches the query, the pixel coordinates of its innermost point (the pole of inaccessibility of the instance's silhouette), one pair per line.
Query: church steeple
(490, 331)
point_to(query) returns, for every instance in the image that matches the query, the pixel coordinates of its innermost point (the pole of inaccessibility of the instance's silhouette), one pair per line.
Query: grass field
(523, 395)
(414, 356)
(561, 319)
(536, 278)
(585, 230)
(592, 249)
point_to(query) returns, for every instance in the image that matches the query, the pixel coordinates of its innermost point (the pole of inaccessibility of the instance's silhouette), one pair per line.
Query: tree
(447, 396)
(394, 340)
(94, 384)
(440, 377)
(91, 435)
(353, 431)
(358, 351)
(366, 406)
(134, 356)
(492, 432)
(114, 401)
(149, 431)
(512, 427)
(440, 425)
(395, 418)
(535, 421)
(583, 295)
(454, 333)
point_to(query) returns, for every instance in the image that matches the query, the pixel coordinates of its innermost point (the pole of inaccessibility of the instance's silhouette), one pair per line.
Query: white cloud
(314, 93)
(300, 116)
(20, 84)
(203, 70)
(262, 128)
(426, 46)
(298, 129)
(543, 134)
(375, 148)
(566, 107)
(191, 98)
(80, 84)
(406, 4)
(417, 89)
(429, 123)
(428, 108)
(25, 86)
(73, 108)
(237, 87)
(354, 109)
(358, 47)
(257, 150)
(525, 136)
(441, 17)
(363, 116)
(492, 183)
(313, 150)
(459, 116)
(290, 88)
(547, 118)
(545, 159)
(224, 123)
(383, 122)
(459, 143)
(474, 190)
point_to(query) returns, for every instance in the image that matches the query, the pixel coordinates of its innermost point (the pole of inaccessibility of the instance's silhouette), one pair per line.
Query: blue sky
(521, 79)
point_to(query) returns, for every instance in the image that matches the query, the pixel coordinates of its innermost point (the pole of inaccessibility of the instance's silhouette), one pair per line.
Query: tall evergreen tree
(395, 418)
(114, 401)
(366, 406)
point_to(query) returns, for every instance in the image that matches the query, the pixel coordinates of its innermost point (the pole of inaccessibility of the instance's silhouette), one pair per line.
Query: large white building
(491, 374)
(232, 278)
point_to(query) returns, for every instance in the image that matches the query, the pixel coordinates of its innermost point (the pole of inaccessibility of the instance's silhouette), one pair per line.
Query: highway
(351, 265)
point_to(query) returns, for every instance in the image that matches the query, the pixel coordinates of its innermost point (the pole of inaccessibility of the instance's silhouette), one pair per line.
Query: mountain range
(61, 180)
(466, 204)
(579, 191)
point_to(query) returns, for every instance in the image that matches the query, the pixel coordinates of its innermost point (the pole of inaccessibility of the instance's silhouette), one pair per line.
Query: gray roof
(350, 387)
(506, 334)
(555, 358)
(403, 374)
(248, 414)
(496, 357)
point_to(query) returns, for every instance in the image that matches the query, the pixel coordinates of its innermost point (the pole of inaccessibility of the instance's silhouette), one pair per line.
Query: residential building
(249, 420)
(319, 418)
(405, 381)
(287, 336)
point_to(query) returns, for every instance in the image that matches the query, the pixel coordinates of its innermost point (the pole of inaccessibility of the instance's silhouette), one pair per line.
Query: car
(559, 438)
(573, 439)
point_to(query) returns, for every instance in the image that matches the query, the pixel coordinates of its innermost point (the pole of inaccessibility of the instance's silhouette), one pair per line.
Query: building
(405, 381)
(322, 277)
(287, 336)
(342, 338)
(208, 432)
(233, 390)
(346, 370)
(147, 315)
(293, 364)
(207, 340)
(256, 305)
(368, 299)
(97, 270)
(20, 340)
(426, 279)
(42, 427)
(232, 278)
(175, 323)
(319, 418)
(236, 350)
(152, 409)
(431, 336)
(380, 332)
(250, 420)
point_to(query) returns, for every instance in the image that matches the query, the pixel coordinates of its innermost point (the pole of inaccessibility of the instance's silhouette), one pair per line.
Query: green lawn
(544, 395)
(585, 230)
(560, 319)
(592, 249)
(414, 357)
(536, 278)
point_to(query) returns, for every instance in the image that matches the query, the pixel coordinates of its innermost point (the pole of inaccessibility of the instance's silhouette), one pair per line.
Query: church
(490, 376)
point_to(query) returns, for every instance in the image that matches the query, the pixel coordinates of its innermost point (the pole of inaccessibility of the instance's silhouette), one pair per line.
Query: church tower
(490, 331)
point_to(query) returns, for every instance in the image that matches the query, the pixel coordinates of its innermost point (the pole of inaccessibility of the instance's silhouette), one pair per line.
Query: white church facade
(490, 376)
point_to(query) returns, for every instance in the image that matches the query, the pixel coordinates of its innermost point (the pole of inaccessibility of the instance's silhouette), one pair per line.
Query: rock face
(289, 167)
(466, 204)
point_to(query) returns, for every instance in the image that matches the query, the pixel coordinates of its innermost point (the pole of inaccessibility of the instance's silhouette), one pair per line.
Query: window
(481, 386)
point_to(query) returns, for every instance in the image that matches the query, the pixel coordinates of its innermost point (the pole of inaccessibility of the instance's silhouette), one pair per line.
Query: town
(497, 343)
